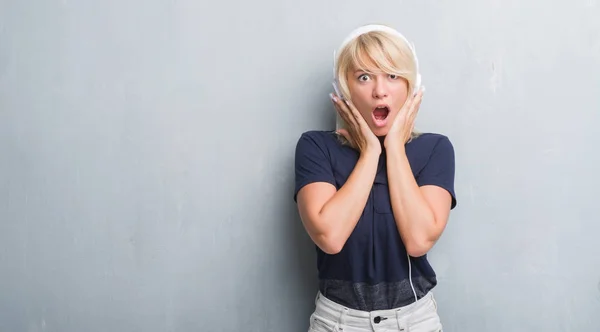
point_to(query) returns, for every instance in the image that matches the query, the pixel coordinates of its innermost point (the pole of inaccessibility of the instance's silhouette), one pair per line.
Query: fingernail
(332, 97)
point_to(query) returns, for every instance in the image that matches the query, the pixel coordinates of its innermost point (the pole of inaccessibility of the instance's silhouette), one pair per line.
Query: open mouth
(380, 115)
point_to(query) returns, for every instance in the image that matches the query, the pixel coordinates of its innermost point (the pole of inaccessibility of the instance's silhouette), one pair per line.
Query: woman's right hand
(358, 132)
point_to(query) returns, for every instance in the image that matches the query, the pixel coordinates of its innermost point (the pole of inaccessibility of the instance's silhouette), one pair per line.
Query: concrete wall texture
(146, 168)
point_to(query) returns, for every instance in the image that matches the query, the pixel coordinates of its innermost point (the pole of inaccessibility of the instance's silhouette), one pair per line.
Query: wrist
(394, 145)
(392, 140)
(370, 153)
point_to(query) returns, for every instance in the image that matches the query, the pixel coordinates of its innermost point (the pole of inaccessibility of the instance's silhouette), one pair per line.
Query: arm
(330, 216)
(421, 210)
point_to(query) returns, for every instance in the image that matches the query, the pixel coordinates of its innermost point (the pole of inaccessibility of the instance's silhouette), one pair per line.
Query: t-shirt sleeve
(312, 163)
(440, 169)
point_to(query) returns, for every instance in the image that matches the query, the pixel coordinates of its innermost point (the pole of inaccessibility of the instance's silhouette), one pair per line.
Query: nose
(380, 89)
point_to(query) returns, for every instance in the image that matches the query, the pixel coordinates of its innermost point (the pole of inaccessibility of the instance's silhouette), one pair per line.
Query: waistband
(333, 312)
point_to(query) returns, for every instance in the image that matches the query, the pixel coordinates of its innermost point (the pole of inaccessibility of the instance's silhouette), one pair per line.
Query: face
(378, 97)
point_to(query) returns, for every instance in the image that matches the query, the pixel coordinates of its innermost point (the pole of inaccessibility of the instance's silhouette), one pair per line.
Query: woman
(374, 196)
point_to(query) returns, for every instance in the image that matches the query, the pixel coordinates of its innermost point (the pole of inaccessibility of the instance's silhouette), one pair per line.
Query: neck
(381, 141)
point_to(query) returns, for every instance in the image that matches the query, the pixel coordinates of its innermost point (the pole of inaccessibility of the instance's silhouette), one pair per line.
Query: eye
(394, 76)
(363, 77)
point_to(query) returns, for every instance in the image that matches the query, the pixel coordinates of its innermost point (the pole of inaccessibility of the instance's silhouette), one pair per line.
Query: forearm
(341, 213)
(414, 217)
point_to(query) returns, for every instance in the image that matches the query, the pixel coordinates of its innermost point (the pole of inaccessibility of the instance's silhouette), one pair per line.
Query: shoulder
(436, 162)
(322, 139)
(429, 143)
(429, 151)
(320, 135)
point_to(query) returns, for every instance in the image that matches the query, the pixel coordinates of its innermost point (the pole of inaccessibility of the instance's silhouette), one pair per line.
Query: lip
(382, 105)
(380, 123)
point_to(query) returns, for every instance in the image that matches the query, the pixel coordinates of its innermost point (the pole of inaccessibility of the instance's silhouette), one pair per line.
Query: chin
(380, 132)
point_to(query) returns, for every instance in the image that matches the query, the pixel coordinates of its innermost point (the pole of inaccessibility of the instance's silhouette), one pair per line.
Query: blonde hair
(375, 51)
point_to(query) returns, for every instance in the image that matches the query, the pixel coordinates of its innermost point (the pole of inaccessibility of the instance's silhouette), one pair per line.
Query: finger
(406, 107)
(415, 108)
(352, 133)
(343, 109)
(357, 116)
(416, 103)
(349, 119)
(354, 116)
(420, 90)
(341, 112)
(413, 116)
(362, 128)
(417, 95)
(344, 113)
(354, 124)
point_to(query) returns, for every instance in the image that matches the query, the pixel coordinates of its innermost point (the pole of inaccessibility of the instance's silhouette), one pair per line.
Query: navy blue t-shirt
(371, 270)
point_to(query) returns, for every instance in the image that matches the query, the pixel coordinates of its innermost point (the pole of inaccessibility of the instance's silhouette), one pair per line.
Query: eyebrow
(372, 72)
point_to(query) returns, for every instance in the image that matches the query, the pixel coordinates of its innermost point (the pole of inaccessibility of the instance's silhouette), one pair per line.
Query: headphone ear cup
(418, 81)
(417, 84)
(336, 89)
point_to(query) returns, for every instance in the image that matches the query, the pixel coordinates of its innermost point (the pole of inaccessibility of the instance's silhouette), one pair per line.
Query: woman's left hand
(404, 123)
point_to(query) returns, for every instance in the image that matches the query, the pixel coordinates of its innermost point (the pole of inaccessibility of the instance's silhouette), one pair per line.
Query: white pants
(420, 316)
